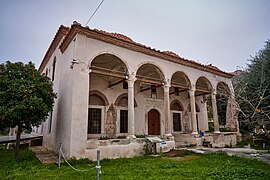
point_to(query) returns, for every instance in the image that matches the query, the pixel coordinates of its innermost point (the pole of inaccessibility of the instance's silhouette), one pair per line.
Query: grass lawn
(182, 166)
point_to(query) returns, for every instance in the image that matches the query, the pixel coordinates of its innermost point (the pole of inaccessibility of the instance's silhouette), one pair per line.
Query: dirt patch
(189, 157)
(174, 153)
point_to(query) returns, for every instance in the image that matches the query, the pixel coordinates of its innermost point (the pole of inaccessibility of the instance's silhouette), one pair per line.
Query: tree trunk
(17, 146)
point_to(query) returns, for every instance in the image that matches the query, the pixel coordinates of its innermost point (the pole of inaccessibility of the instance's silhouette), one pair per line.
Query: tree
(26, 98)
(252, 90)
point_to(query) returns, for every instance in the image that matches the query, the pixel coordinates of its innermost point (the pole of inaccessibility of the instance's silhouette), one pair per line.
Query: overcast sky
(222, 32)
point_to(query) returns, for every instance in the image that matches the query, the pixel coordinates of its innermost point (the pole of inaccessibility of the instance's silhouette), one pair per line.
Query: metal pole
(59, 155)
(98, 167)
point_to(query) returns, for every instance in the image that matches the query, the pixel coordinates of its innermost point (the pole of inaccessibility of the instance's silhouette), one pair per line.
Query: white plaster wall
(49, 139)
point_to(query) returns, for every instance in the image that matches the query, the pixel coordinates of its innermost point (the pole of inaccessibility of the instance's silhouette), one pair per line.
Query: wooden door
(153, 122)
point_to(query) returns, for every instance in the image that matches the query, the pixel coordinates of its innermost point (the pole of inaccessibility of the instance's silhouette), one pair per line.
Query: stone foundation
(225, 139)
(120, 148)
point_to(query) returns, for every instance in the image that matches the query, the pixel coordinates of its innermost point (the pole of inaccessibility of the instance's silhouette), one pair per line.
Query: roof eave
(62, 31)
(76, 28)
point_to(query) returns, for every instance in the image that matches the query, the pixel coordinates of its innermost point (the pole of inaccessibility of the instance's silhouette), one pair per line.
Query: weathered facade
(107, 85)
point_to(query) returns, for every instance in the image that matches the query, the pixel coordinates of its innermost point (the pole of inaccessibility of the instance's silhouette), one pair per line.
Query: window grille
(177, 122)
(94, 121)
(123, 121)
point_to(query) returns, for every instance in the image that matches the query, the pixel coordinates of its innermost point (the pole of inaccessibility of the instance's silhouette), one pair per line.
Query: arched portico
(180, 86)
(223, 94)
(203, 88)
(226, 107)
(108, 74)
(152, 86)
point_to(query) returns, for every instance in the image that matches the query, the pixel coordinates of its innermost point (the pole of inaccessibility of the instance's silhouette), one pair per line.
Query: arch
(222, 98)
(180, 78)
(176, 105)
(153, 122)
(109, 63)
(150, 70)
(203, 83)
(98, 98)
(197, 108)
(108, 53)
(122, 100)
(223, 88)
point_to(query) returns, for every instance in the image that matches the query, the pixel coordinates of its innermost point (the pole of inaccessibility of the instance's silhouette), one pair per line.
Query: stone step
(44, 155)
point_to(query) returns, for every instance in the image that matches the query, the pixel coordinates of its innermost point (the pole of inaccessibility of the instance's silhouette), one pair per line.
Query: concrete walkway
(44, 155)
(261, 155)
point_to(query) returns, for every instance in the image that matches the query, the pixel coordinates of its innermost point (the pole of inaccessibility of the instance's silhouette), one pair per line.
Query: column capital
(192, 92)
(167, 86)
(131, 82)
(192, 89)
(214, 92)
(131, 79)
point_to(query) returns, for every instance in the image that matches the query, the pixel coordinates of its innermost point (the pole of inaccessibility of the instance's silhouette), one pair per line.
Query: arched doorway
(176, 110)
(153, 122)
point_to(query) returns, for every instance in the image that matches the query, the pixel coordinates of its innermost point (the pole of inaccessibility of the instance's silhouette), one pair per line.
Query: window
(94, 121)
(54, 63)
(177, 122)
(177, 108)
(123, 121)
(50, 121)
(153, 91)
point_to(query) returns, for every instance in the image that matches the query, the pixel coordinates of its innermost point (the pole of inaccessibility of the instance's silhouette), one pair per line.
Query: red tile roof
(125, 42)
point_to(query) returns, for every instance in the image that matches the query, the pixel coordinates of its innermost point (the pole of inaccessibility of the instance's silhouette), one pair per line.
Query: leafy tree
(252, 90)
(26, 97)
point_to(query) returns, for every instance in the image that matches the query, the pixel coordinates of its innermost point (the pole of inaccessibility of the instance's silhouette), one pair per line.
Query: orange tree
(26, 98)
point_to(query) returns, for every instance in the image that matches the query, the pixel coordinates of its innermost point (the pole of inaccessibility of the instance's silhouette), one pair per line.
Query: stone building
(109, 86)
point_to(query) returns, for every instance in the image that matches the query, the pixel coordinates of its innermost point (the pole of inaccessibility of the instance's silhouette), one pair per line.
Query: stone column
(168, 123)
(215, 114)
(131, 126)
(193, 111)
